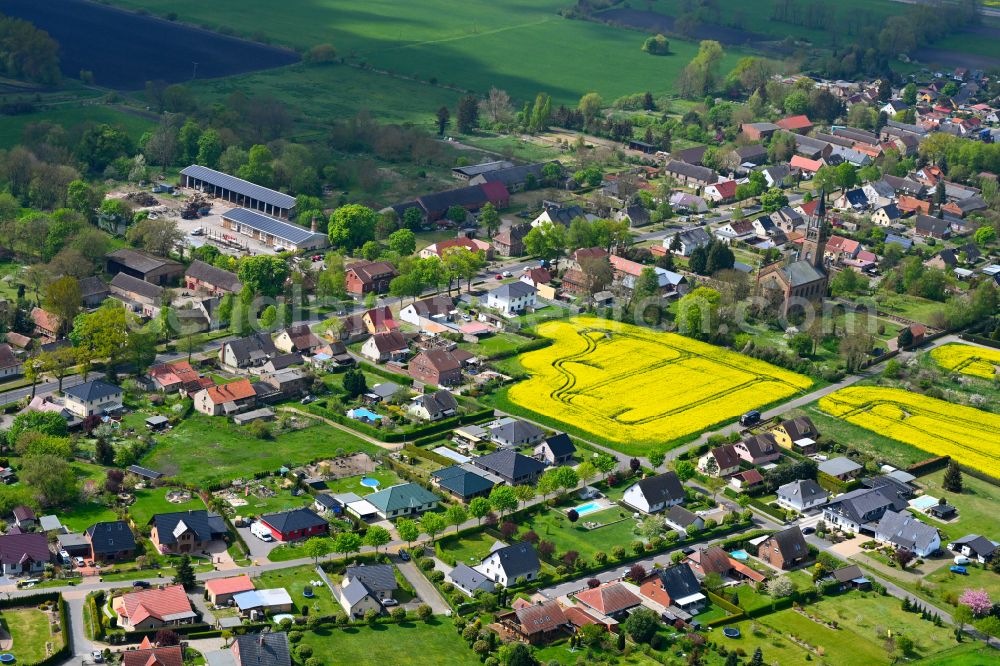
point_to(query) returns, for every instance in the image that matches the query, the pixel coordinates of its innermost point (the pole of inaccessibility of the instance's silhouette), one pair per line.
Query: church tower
(814, 245)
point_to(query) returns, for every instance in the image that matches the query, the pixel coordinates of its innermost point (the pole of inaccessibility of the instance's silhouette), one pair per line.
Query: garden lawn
(294, 581)
(496, 344)
(433, 642)
(970, 653)
(977, 505)
(943, 583)
(553, 525)
(352, 484)
(151, 501)
(866, 441)
(203, 449)
(469, 549)
(561, 653)
(29, 629)
(82, 515)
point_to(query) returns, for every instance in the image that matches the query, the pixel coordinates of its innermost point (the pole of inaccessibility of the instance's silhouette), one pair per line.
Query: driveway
(259, 550)
(427, 593)
(850, 548)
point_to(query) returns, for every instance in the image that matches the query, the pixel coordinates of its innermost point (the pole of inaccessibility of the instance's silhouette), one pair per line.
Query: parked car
(198, 231)
(97, 656)
(64, 555)
(79, 561)
(959, 570)
(306, 400)
(508, 274)
(962, 560)
(750, 418)
(808, 530)
(498, 276)
(142, 584)
(389, 602)
(404, 555)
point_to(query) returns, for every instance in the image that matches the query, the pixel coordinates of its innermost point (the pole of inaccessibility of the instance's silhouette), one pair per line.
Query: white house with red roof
(231, 398)
(153, 608)
(721, 192)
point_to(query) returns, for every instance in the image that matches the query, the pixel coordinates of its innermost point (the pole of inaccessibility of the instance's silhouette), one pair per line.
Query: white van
(260, 530)
(962, 560)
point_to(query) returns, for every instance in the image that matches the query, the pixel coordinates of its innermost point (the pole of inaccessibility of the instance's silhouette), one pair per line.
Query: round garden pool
(369, 482)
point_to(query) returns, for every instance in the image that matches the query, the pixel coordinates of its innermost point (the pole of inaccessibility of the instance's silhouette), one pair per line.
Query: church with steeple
(803, 277)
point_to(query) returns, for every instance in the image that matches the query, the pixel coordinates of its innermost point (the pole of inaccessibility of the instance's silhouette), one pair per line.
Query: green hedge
(94, 602)
(62, 654)
(214, 633)
(182, 629)
(835, 485)
(403, 380)
(419, 432)
(735, 612)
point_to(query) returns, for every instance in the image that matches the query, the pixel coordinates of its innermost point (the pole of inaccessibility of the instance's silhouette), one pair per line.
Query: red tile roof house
(610, 599)
(221, 590)
(26, 553)
(721, 192)
(46, 324)
(806, 165)
(294, 525)
(147, 655)
(228, 398)
(153, 608)
(178, 376)
(369, 276)
(437, 367)
(798, 124)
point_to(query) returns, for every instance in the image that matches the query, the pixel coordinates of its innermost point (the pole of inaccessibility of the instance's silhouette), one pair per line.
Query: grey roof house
(511, 466)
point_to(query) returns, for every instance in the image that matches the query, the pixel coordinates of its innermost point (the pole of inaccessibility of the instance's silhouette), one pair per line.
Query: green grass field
(524, 48)
(71, 115)
(204, 449)
(977, 504)
(968, 654)
(433, 642)
(29, 629)
(469, 549)
(554, 526)
(294, 581)
(151, 501)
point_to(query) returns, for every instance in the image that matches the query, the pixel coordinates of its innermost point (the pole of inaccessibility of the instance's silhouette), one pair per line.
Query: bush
(424, 612)
(305, 651)
(295, 637)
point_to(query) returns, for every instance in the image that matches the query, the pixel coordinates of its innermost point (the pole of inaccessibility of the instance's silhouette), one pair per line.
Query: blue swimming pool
(369, 482)
(740, 554)
(589, 507)
(361, 413)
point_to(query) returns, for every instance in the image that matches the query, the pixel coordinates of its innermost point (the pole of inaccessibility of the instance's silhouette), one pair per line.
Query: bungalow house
(110, 541)
(266, 649)
(24, 554)
(512, 298)
(860, 510)
(556, 450)
(746, 480)
(231, 398)
(689, 203)
(508, 564)
(784, 549)
(294, 524)
(220, 591)
(142, 298)
(366, 587)
(433, 406)
(612, 599)
(841, 468)
(715, 560)
(904, 530)
(364, 277)
(299, 338)
(975, 547)
(153, 608)
(428, 311)
(93, 398)
(674, 586)
(469, 581)
(536, 623)
(802, 495)
(758, 449)
(205, 278)
(186, 531)
(735, 231)
(465, 482)
(850, 577)
(514, 468)
(682, 520)
(791, 431)
(690, 174)
(510, 433)
(655, 493)
(720, 461)
(245, 353)
(438, 367)
(263, 602)
(177, 376)
(932, 227)
(403, 499)
(386, 346)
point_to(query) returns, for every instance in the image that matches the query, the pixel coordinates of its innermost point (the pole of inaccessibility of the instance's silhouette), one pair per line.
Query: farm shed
(238, 191)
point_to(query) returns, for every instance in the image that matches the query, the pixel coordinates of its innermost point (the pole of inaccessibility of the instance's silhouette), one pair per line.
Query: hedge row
(735, 612)
(382, 372)
(419, 432)
(182, 629)
(835, 485)
(60, 655)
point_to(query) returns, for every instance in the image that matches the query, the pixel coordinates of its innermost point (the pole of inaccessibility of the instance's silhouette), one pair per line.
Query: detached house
(267, 649)
(294, 525)
(142, 298)
(387, 346)
(509, 433)
(758, 449)
(508, 564)
(655, 493)
(186, 531)
(784, 549)
(802, 495)
(556, 450)
(404, 499)
(433, 406)
(512, 298)
(231, 398)
(428, 311)
(611, 599)
(244, 353)
(110, 541)
(975, 547)
(153, 608)
(93, 398)
(438, 367)
(675, 586)
(689, 174)
(24, 554)
(860, 510)
(365, 588)
(514, 468)
(365, 277)
(798, 434)
(724, 459)
(535, 623)
(299, 339)
(932, 227)
(904, 530)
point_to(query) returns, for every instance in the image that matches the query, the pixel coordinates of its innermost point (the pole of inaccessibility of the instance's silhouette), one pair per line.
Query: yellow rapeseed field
(969, 435)
(968, 359)
(638, 387)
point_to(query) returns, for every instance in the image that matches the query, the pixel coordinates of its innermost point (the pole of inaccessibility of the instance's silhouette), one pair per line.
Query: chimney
(312, 227)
